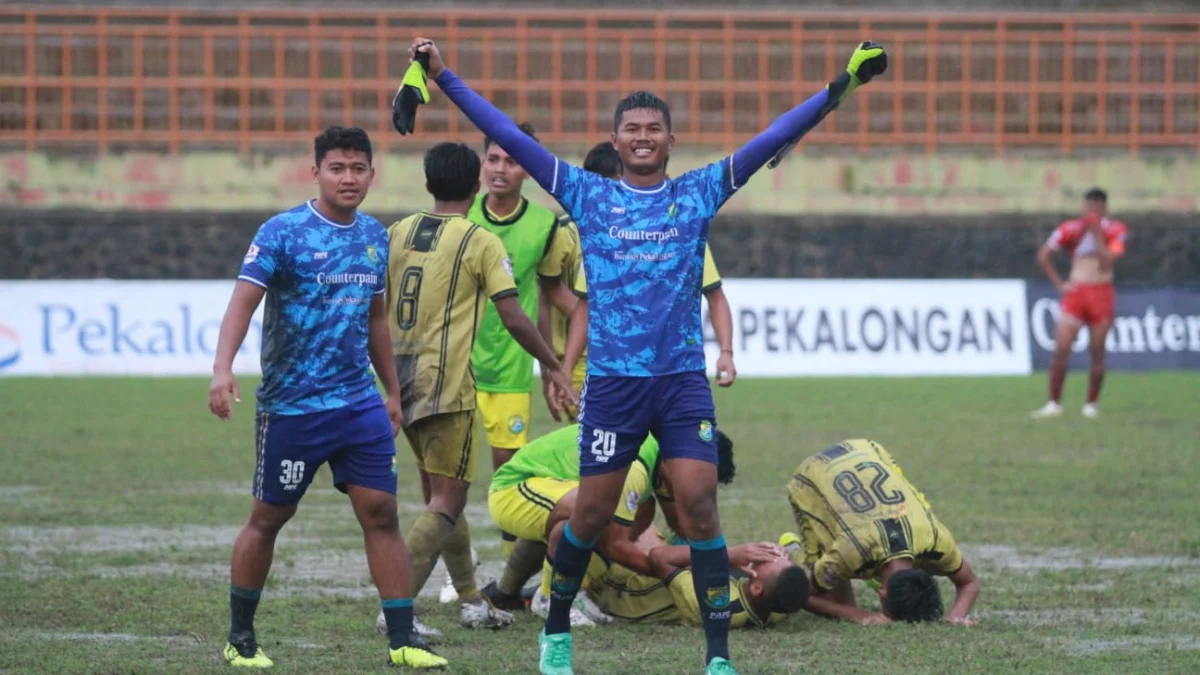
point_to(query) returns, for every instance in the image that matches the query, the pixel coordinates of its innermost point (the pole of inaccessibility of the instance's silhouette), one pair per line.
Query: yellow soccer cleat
(789, 539)
(236, 659)
(416, 657)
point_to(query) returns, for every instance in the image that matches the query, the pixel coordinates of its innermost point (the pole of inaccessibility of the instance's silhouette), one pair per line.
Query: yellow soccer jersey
(441, 272)
(638, 598)
(570, 255)
(857, 511)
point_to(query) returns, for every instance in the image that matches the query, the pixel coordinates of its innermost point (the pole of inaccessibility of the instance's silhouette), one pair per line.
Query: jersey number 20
(410, 292)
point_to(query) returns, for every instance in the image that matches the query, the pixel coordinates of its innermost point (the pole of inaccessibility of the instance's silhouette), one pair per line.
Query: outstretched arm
(867, 61)
(536, 160)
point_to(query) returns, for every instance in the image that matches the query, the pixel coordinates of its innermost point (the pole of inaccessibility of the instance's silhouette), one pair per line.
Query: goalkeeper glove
(867, 61)
(412, 93)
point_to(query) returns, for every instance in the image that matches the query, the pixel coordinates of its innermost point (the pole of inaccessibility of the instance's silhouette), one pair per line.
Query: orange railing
(107, 80)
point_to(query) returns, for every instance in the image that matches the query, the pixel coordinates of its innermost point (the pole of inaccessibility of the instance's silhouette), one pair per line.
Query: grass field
(120, 499)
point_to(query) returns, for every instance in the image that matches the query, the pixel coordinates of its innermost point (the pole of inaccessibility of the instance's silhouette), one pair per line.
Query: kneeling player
(861, 519)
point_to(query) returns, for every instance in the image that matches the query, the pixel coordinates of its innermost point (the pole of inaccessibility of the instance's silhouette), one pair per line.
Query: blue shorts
(356, 440)
(616, 414)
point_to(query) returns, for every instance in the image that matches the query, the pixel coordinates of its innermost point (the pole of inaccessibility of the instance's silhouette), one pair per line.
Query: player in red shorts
(1094, 243)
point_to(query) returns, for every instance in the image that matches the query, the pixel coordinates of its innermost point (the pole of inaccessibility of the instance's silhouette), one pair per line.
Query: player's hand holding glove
(413, 92)
(868, 60)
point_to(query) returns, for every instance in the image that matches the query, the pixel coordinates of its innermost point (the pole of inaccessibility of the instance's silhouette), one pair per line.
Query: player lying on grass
(570, 334)
(323, 268)
(643, 240)
(443, 269)
(539, 484)
(766, 589)
(860, 518)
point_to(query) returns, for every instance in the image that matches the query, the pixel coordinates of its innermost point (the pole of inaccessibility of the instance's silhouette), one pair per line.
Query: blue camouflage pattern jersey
(320, 277)
(643, 259)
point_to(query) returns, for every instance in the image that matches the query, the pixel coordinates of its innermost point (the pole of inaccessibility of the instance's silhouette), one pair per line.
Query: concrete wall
(70, 244)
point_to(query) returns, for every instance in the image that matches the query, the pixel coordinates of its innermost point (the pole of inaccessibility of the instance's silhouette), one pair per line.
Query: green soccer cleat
(720, 666)
(556, 654)
(237, 657)
(415, 657)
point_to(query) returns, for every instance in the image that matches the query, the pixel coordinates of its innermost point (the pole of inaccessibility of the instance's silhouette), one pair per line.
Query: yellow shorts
(506, 418)
(633, 597)
(523, 509)
(443, 444)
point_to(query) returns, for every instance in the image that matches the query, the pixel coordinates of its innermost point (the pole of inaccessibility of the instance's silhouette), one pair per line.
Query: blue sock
(243, 602)
(570, 564)
(710, 578)
(399, 616)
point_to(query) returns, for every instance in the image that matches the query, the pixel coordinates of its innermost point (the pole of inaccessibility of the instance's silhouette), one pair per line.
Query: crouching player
(860, 518)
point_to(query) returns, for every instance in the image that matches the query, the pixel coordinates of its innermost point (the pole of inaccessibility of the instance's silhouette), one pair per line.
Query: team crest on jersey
(717, 598)
(372, 254)
(395, 467)
(515, 424)
(632, 500)
(251, 255)
(706, 431)
(507, 264)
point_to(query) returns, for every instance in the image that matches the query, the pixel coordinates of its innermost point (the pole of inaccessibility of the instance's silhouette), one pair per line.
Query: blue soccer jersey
(320, 278)
(643, 252)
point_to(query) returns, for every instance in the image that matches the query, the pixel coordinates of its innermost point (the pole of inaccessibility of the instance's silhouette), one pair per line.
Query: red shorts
(1090, 304)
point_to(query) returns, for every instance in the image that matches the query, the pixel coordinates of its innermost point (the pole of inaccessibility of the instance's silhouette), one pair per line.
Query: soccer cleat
(483, 615)
(585, 605)
(720, 666)
(540, 606)
(419, 627)
(787, 540)
(448, 594)
(1090, 411)
(501, 600)
(245, 656)
(1051, 409)
(555, 654)
(416, 657)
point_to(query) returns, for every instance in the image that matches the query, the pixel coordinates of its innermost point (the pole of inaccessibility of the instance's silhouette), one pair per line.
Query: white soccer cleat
(1090, 411)
(448, 594)
(585, 604)
(483, 615)
(540, 605)
(1051, 409)
(419, 626)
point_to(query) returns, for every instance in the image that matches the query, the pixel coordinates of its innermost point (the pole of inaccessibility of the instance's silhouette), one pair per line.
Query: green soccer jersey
(501, 366)
(556, 455)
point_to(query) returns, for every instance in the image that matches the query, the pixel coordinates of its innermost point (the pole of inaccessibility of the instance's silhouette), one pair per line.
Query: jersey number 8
(410, 291)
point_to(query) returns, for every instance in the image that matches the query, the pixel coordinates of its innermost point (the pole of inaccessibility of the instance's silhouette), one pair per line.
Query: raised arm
(536, 160)
(867, 61)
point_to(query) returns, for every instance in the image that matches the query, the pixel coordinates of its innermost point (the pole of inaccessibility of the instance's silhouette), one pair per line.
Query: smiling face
(344, 176)
(643, 140)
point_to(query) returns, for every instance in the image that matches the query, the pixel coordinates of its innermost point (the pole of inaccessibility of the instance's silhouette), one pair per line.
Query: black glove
(413, 92)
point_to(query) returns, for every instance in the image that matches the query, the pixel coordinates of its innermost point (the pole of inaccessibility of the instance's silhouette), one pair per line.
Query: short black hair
(523, 126)
(341, 138)
(451, 171)
(790, 594)
(725, 467)
(642, 100)
(1096, 195)
(603, 160)
(913, 595)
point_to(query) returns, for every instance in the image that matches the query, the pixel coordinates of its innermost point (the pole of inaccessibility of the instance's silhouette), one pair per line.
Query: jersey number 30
(862, 500)
(410, 292)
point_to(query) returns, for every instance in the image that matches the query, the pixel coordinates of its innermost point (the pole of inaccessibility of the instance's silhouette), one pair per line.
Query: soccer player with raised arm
(604, 160)
(1094, 242)
(860, 518)
(643, 246)
(442, 270)
(322, 267)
